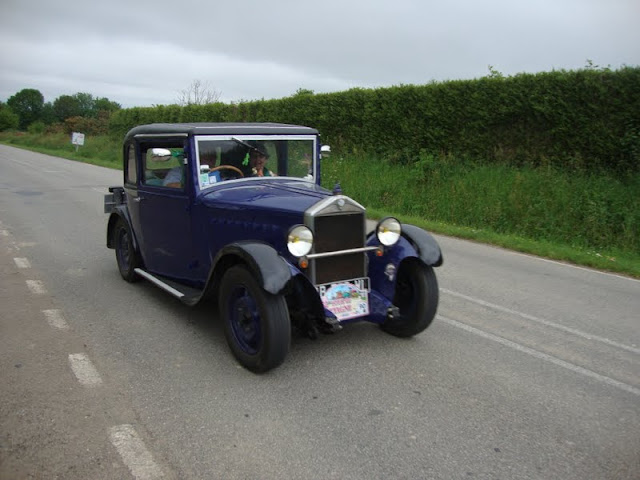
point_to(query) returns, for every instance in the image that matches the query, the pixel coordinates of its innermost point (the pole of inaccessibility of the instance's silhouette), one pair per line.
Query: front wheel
(416, 297)
(126, 255)
(256, 323)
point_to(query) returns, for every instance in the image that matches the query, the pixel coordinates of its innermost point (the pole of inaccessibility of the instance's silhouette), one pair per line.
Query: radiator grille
(339, 232)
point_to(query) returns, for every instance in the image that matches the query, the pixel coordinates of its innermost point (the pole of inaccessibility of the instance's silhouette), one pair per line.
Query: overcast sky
(144, 52)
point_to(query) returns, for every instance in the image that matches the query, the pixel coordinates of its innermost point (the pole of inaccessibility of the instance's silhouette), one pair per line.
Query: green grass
(574, 216)
(100, 150)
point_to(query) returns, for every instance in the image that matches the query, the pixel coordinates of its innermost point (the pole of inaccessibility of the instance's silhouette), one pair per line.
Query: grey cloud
(143, 52)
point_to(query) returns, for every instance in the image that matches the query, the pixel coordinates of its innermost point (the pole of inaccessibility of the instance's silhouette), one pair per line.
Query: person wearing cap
(257, 161)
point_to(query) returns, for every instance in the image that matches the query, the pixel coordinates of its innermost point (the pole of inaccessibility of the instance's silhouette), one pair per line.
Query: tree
(27, 104)
(8, 119)
(66, 106)
(198, 93)
(106, 105)
(86, 104)
(48, 116)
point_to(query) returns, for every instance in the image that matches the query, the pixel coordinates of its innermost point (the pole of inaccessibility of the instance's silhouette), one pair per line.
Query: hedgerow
(585, 119)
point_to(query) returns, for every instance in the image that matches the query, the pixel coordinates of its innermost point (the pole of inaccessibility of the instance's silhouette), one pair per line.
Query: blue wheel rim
(244, 319)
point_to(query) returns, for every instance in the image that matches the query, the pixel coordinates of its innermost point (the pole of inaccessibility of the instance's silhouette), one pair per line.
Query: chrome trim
(311, 256)
(329, 201)
(152, 135)
(159, 283)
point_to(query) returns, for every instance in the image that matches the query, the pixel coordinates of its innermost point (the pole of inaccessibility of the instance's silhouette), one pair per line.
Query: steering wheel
(228, 167)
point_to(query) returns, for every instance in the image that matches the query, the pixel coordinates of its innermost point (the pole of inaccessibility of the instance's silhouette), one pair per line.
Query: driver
(257, 162)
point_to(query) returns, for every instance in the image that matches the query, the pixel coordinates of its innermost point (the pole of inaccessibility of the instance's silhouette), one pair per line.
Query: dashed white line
(36, 287)
(543, 356)
(134, 453)
(55, 319)
(547, 323)
(84, 370)
(22, 262)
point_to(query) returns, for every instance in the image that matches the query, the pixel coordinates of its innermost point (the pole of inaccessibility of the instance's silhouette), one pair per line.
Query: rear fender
(120, 212)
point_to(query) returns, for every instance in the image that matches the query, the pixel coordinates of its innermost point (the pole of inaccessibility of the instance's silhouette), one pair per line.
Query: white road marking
(26, 244)
(577, 267)
(547, 323)
(22, 262)
(543, 356)
(36, 287)
(4, 233)
(84, 370)
(55, 319)
(134, 453)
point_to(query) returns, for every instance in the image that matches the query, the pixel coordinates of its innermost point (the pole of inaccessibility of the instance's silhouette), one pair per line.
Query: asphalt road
(530, 371)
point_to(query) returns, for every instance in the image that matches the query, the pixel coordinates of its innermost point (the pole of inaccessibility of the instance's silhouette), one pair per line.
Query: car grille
(333, 232)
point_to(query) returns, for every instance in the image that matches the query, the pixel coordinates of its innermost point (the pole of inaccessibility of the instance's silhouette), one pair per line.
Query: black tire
(417, 298)
(127, 257)
(256, 323)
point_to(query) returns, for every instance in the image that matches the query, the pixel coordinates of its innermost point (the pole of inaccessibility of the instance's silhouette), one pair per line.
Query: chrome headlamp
(299, 241)
(388, 231)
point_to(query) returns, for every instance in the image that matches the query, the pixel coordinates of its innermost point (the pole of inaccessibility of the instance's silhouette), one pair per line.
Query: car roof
(220, 129)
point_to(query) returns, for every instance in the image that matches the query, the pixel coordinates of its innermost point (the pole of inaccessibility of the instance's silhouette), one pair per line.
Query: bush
(88, 126)
(37, 127)
(8, 119)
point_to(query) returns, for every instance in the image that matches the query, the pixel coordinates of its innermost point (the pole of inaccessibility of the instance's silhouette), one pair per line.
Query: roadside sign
(77, 139)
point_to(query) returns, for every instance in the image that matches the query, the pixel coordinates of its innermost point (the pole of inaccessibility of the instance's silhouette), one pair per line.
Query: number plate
(346, 300)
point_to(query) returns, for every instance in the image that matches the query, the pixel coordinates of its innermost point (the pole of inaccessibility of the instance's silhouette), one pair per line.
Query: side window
(164, 167)
(131, 173)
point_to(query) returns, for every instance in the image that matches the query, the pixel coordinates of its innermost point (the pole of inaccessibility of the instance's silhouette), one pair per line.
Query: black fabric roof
(220, 129)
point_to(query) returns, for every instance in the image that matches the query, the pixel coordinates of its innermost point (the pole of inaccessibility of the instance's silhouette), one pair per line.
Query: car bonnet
(273, 195)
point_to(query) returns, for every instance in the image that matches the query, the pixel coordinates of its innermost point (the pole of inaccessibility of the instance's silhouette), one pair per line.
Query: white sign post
(77, 139)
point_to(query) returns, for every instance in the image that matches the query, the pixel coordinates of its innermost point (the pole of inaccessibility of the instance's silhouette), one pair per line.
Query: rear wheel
(126, 255)
(416, 297)
(256, 323)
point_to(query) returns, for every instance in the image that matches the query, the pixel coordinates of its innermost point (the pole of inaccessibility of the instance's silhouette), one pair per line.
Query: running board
(186, 294)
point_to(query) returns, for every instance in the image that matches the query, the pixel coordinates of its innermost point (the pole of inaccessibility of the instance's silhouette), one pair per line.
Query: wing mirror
(160, 155)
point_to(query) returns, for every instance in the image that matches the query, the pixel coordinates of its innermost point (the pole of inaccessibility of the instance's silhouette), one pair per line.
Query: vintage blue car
(235, 212)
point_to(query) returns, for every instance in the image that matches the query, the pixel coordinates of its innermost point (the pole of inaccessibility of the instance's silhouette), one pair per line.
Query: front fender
(414, 245)
(426, 246)
(271, 271)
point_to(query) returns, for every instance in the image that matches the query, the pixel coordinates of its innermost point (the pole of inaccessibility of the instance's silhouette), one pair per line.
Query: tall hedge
(579, 119)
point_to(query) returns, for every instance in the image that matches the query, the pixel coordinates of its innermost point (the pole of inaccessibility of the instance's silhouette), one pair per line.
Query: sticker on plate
(346, 300)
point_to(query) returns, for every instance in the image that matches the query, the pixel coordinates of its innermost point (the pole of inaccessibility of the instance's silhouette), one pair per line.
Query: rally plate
(346, 300)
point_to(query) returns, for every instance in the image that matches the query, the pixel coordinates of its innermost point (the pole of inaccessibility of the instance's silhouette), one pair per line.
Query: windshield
(222, 158)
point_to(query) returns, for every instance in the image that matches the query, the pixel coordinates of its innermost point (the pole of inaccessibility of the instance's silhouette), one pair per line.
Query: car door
(163, 210)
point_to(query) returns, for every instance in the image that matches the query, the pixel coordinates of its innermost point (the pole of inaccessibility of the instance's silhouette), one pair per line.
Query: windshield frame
(249, 138)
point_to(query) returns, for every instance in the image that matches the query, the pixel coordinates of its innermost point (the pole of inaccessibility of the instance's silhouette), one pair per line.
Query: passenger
(174, 178)
(208, 159)
(208, 162)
